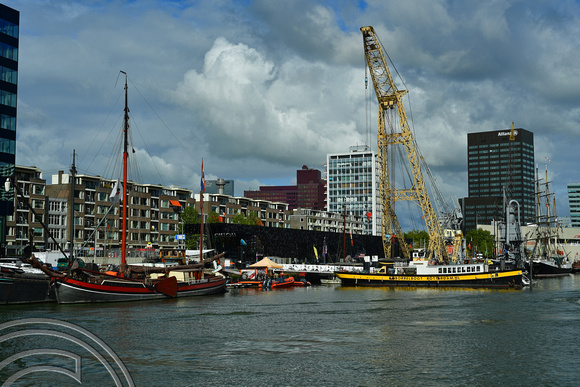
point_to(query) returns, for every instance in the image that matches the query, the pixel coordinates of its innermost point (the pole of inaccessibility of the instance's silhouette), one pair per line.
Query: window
(7, 122)
(8, 51)
(7, 146)
(7, 98)
(9, 28)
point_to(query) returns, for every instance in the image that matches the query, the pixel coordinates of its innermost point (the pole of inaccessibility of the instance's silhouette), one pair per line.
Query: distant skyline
(259, 88)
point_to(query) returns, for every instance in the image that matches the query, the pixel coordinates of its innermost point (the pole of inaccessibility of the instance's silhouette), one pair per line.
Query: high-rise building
(9, 21)
(574, 203)
(275, 193)
(309, 192)
(311, 189)
(353, 185)
(499, 160)
(212, 186)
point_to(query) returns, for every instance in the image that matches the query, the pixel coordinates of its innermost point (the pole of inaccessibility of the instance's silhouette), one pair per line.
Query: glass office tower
(495, 162)
(9, 21)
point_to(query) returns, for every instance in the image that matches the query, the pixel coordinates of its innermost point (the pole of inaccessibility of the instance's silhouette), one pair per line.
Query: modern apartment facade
(22, 226)
(314, 220)
(271, 214)
(152, 220)
(352, 186)
(498, 161)
(9, 33)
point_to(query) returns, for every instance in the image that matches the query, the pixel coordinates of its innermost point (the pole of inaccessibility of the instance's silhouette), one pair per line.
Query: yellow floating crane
(392, 111)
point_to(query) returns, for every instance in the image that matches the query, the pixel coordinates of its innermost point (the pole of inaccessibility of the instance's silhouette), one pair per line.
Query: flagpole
(201, 191)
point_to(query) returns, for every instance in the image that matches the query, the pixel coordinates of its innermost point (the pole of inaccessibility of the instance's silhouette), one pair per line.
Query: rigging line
(367, 104)
(99, 132)
(146, 148)
(167, 127)
(392, 64)
(113, 167)
(101, 147)
(133, 169)
(443, 205)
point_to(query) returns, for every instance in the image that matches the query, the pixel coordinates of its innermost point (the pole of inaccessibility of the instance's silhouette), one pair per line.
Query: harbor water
(324, 336)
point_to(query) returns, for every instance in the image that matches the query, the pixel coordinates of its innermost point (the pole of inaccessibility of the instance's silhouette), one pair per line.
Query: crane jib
(389, 98)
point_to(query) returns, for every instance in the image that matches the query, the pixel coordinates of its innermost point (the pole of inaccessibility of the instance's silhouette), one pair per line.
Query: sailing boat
(82, 285)
(548, 258)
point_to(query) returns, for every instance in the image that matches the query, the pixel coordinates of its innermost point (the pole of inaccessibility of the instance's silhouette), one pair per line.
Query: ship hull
(70, 291)
(19, 289)
(505, 279)
(545, 269)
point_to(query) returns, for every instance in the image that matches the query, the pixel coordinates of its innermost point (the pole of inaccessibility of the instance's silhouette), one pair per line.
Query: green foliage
(190, 215)
(420, 238)
(191, 242)
(213, 217)
(238, 219)
(251, 220)
(480, 241)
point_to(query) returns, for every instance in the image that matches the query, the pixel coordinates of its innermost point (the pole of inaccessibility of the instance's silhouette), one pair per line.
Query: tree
(238, 219)
(480, 241)
(251, 220)
(213, 217)
(190, 215)
(420, 238)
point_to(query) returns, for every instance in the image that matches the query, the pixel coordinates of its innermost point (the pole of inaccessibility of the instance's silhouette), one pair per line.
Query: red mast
(125, 157)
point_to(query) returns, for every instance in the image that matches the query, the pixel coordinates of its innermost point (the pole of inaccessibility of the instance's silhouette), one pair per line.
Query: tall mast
(125, 157)
(201, 191)
(73, 172)
(344, 231)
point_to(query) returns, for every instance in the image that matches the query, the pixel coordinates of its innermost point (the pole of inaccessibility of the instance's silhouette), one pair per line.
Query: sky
(257, 89)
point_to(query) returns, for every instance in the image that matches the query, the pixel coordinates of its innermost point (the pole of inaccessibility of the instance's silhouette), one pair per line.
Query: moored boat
(551, 267)
(282, 282)
(79, 285)
(422, 273)
(103, 288)
(20, 283)
(548, 257)
(301, 282)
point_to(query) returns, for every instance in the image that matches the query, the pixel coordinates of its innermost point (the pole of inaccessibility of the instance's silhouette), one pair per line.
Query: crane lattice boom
(390, 100)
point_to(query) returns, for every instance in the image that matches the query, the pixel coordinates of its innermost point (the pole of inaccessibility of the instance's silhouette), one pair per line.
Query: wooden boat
(96, 287)
(421, 272)
(83, 286)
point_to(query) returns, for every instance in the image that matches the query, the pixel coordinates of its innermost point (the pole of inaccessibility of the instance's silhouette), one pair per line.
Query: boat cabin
(426, 267)
(172, 256)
